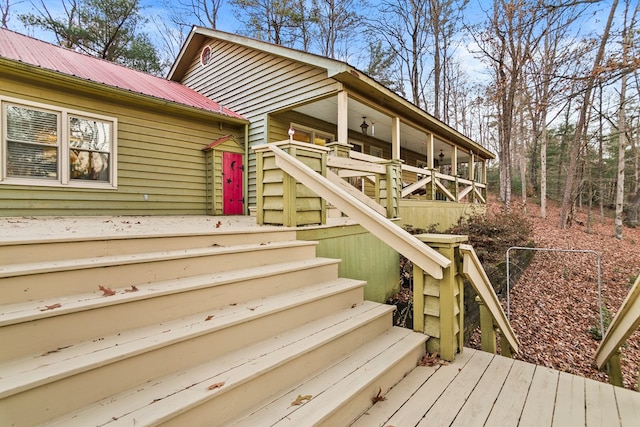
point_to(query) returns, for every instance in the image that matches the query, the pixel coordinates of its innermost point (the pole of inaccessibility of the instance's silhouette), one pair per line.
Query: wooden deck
(482, 389)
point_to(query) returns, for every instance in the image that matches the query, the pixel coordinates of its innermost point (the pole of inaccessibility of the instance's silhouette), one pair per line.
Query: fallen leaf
(133, 289)
(209, 317)
(215, 386)
(106, 292)
(300, 399)
(50, 307)
(378, 397)
(218, 224)
(431, 359)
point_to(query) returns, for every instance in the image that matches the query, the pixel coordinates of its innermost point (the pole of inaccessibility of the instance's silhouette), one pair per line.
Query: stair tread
(333, 387)
(27, 372)
(105, 261)
(33, 310)
(189, 388)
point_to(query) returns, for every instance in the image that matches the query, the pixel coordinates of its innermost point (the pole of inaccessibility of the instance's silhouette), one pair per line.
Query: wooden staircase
(224, 328)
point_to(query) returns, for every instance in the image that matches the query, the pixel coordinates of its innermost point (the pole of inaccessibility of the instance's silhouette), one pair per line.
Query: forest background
(551, 87)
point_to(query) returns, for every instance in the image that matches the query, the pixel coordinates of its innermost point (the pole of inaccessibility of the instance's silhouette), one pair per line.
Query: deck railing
(441, 268)
(492, 315)
(435, 184)
(625, 323)
(431, 183)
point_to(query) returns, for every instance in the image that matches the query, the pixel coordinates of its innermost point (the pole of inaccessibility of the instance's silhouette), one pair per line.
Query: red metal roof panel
(45, 55)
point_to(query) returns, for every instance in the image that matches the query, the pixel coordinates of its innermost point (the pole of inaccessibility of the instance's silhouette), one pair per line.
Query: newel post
(439, 304)
(281, 200)
(389, 188)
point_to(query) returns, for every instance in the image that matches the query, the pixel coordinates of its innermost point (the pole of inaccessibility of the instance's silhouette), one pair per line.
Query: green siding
(159, 153)
(363, 256)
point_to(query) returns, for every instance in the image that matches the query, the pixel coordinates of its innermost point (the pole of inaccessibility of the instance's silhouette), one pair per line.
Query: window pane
(32, 160)
(302, 136)
(89, 165)
(32, 140)
(27, 125)
(89, 134)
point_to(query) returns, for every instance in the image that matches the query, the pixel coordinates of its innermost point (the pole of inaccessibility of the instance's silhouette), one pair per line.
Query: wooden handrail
(625, 322)
(474, 272)
(400, 240)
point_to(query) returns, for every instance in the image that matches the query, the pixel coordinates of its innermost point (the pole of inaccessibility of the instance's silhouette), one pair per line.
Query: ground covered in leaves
(554, 305)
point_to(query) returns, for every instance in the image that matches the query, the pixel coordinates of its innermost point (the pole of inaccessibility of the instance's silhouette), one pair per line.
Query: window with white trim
(43, 145)
(310, 135)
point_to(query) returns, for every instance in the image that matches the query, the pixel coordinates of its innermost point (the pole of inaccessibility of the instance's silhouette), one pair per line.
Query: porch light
(364, 126)
(291, 132)
(441, 156)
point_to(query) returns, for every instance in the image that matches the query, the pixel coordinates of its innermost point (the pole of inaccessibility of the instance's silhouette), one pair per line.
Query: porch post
(454, 171)
(395, 138)
(343, 117)
(472, 197)
(430, 163)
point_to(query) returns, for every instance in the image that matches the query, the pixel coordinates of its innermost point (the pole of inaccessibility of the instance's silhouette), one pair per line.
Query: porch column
(343, 117)
(454, 161)
(430, 163)
(471, 162)
(395, 138)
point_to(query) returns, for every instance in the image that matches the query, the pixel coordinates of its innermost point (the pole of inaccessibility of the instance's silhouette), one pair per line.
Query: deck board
(538, 408)
(600, 403)
(443, 412)
(482, 389)
(508, 406)
(478, 407)
(415, 408)
(569, 408)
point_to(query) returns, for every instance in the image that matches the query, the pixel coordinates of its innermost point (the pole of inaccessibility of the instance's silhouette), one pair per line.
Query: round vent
(205, 56)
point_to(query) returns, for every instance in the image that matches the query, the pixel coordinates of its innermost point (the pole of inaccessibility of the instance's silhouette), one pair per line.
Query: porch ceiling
(379, 123)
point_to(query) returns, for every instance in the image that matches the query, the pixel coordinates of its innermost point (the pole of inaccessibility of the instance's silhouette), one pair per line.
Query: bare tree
(402, 25)
(506, 43)
(5, 8)
(275, 21)
(570, 188)
(205, 11)
(444, 20)
(336, 22)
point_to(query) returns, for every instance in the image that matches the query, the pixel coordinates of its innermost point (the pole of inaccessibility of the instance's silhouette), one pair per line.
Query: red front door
(232, 169)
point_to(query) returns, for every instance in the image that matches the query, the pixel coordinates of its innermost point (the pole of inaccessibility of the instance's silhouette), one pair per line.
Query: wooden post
(439, 310)
(280, 199)
(615, 370)
(393, 188)
(260, 187)
(488, 333)
(505, 348)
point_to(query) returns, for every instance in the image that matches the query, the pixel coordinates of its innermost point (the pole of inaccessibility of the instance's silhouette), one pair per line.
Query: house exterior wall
(158, 154)
(255, 84)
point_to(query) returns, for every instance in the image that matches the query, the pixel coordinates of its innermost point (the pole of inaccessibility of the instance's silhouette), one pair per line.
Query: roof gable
(27, 50)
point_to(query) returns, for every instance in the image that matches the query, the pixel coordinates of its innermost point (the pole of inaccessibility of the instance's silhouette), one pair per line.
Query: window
(313, 136)
(47, 146)
(376, 151)
(205, 56)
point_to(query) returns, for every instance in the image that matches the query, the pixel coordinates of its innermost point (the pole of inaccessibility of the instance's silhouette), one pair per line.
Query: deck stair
(201, 329)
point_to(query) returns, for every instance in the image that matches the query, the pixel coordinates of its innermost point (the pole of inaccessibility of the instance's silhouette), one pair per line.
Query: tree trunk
(569, 190)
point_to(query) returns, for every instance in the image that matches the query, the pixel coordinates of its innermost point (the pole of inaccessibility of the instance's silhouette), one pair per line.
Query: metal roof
(45, 55)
